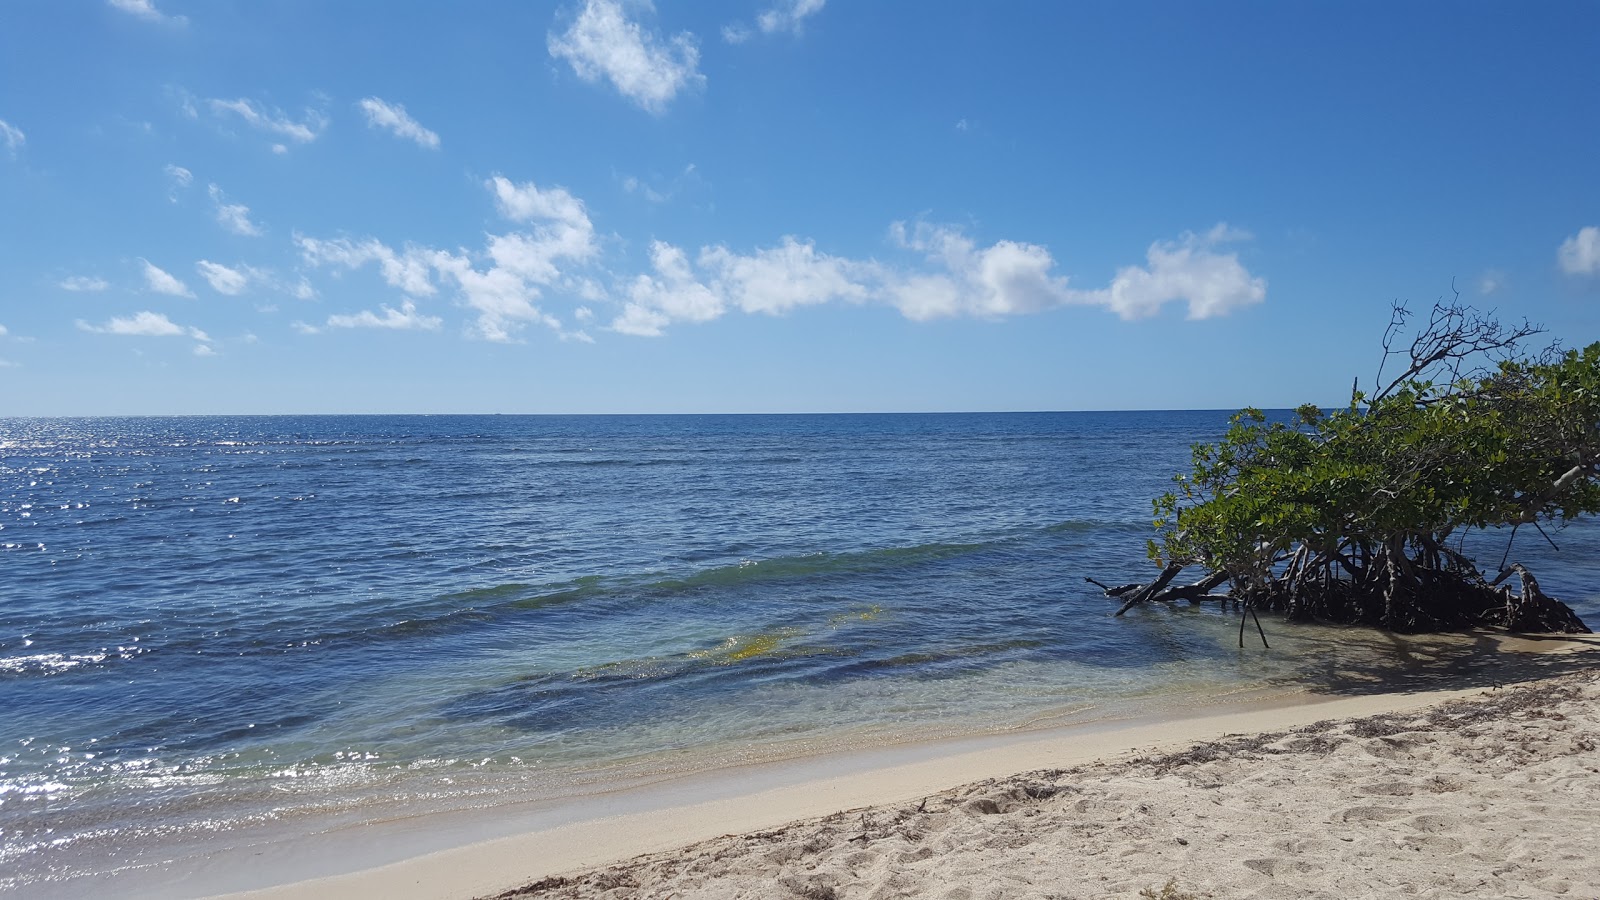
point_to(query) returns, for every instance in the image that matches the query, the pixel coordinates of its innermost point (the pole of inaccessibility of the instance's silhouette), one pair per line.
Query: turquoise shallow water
(213, 623)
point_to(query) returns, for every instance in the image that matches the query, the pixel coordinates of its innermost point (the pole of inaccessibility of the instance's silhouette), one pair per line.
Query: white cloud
(1189, 269)
(158, 280)
(404, 318)
(603, 43)
(958, 277)
(1491, 281)
(394, 118)
(304, 328)
(788, 15)
(225, 280)
(3, 331)
(783, 16)
(1580, 254)
(233, 216)
(634, 186)
(204, 350)
(781, 278)
(144, 324)
(503, 297)
(408, 271)
(179, 179)
(525, 202)
(85, 283)
(502, 282)
(1006, 278)
(563, 230)
(304, 291)
(671, 295)
(146, 9)
(274, 121)
(12, 137)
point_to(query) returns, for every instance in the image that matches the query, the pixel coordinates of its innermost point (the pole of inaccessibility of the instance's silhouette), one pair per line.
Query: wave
(355, 626)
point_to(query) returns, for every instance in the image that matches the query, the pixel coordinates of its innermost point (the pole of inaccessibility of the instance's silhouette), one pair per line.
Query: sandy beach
(1483, 791)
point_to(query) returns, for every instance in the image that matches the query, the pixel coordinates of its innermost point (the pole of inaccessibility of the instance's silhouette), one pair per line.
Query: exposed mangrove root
(1430, 588)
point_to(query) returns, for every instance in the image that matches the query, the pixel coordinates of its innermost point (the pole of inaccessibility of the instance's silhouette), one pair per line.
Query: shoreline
(608, 828)
(278, 857)
(1489, 794)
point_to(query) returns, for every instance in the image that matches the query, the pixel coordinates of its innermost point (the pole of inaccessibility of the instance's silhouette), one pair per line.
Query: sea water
(218, 624)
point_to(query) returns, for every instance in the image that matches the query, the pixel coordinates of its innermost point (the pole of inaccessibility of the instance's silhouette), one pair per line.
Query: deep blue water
(208, 622)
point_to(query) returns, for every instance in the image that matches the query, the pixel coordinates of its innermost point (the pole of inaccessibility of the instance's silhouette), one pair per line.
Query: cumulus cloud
(957, 277)
(786, 16)
(402, 319)
(12, 137)
(503, 282)
(792, 274)
(1006, 278)
(672, 294)
(84, 283)
(1580, 254)
(233, 216)
(178, 179)
(225, 280)
(146, 9)
(204, 350)
(273, 121)
(160, 281)
(394, 118)
(408, 270)
(603, 43)
(1189, 269)
(144, 324)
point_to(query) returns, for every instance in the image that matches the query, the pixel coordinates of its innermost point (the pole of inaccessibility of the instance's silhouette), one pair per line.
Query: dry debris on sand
(1496, 796)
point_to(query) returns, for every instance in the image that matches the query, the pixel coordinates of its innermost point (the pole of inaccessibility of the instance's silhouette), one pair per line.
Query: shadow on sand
(1379, 663)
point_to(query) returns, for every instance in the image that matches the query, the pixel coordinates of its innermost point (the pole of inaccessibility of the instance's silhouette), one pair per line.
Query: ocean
(215, 629)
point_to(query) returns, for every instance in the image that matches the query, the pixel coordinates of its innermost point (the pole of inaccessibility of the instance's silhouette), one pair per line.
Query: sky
(609, 206)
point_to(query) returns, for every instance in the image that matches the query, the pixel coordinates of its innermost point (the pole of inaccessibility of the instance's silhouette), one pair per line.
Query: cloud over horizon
(144, 324)
(553, 249)
(502, 283)
(958, 277)
(406, 318)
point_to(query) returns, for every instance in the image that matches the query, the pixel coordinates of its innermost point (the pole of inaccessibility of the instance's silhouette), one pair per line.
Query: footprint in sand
(1371, 814)
(1273, 867)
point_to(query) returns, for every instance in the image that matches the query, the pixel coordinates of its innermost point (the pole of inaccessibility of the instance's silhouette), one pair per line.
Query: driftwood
(1158, 592)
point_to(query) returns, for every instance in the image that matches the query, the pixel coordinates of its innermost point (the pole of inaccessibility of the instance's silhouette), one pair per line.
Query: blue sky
(773, 206)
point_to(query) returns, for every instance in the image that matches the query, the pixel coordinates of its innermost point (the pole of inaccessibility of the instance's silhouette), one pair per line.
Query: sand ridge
(1493, 796)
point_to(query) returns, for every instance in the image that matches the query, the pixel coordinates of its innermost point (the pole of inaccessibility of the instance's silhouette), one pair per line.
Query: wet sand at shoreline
(1480, 790)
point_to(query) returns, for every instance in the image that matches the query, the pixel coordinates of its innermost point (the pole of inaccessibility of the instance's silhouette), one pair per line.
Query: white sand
(1493, 795)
